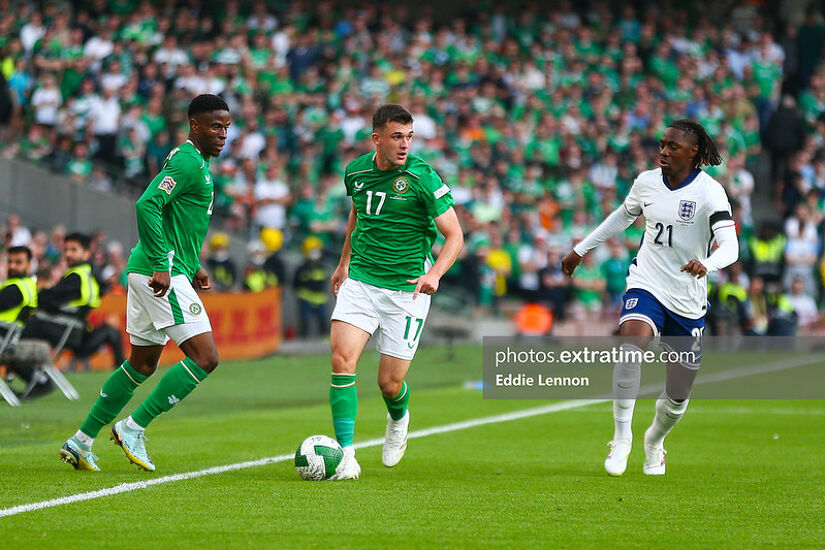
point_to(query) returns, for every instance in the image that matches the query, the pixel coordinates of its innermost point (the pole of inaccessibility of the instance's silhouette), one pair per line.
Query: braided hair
(708, 154)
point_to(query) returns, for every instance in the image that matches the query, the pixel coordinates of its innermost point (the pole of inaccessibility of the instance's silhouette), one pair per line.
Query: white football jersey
(679, 225)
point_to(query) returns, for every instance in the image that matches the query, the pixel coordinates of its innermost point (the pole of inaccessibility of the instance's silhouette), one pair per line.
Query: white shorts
(398, 318)
(152, 320)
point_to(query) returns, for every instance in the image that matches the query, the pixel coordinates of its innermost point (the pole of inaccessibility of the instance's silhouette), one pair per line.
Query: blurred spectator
(220, 266)
(784, 136)
(554, 286)
(768, 313)
(803, 304)
(728, 312)
(79, 166)
(272, 197)
(46, 100)
(767, 253)
(311, 288)
(614, 270)
(801, 250)
(588, 287)
(104, 118)
(255, 276)
(273, 239)
(16, 233)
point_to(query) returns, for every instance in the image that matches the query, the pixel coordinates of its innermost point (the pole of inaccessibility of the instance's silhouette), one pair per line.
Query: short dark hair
(205, 103)
(708, 154)
(21, 250)
(390, 113)
(80, 238)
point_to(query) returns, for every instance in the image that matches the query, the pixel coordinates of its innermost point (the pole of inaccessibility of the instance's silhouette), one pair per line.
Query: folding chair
(68, 323)
(7, 345)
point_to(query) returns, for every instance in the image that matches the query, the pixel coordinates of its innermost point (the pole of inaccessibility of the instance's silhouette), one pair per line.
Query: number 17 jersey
(679, 225)
(394, 234)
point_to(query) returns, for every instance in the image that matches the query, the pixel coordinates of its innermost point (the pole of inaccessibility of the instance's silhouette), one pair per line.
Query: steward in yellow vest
(18, 298)
(18, 294)
(72, 298)
(311, 288)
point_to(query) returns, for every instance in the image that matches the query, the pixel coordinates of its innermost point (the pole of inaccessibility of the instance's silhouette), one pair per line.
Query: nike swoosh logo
(647, 204)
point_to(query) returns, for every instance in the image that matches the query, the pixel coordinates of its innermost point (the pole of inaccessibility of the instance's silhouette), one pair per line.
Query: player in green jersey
(173, 217)
(386, 276)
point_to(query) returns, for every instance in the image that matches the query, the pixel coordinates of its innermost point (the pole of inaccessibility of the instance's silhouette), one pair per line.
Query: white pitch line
(129, 487)
(506, 417)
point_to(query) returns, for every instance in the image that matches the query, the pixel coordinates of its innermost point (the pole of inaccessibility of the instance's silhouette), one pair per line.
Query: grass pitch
(741, 474)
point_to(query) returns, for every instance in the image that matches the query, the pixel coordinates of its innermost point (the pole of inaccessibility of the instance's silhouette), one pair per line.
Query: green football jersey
(173, 215)
(394, 235)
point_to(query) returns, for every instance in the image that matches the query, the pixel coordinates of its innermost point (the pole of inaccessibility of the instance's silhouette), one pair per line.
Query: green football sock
(397, 406)
(171, 390)
(114, 395)
(343, 400)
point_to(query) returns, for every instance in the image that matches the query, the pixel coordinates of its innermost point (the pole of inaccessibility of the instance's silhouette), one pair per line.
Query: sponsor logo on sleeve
(167, 184)
(441, 191)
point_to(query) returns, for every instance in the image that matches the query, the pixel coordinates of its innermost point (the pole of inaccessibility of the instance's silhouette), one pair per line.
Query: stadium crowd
(538, 119)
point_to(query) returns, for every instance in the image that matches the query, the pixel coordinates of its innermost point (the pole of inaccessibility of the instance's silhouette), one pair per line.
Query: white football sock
(668, 414)
(626, 378)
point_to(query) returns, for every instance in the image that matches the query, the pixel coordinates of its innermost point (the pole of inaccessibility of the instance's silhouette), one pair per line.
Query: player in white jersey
(685, 210)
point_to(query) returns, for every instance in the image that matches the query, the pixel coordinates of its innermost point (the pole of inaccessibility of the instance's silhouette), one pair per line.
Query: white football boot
(654, 459)
(349, 467)
(395, 440)
(616, 462)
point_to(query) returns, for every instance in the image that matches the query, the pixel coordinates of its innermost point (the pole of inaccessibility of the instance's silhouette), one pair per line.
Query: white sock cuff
(674, 406)
(83, 438)
(130, 423)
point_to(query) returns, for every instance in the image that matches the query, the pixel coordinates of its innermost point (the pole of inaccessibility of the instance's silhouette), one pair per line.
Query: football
(318, 457)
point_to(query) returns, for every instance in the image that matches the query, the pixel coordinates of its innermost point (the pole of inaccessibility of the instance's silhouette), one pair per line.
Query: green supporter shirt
(395, 231)
(173, 215)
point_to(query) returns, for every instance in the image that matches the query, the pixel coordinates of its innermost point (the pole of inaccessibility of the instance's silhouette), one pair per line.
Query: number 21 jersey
(679, 226)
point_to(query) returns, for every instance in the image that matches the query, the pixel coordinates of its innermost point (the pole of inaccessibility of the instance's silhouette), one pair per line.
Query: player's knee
(207, 361)
(341, 363)
(390, 387)
(146, 368)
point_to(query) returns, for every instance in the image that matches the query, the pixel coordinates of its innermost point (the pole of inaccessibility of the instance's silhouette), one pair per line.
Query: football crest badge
(401, 185)
(687, 209)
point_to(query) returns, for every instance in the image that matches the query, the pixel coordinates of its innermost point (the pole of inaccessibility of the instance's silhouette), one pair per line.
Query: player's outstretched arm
(342, 271)
(614, 224)
(449, 226)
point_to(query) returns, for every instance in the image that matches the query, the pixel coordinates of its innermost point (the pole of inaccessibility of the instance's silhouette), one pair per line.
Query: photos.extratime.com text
(586, 356)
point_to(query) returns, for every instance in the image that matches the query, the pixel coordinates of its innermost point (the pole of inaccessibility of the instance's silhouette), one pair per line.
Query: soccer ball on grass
(318, 457)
